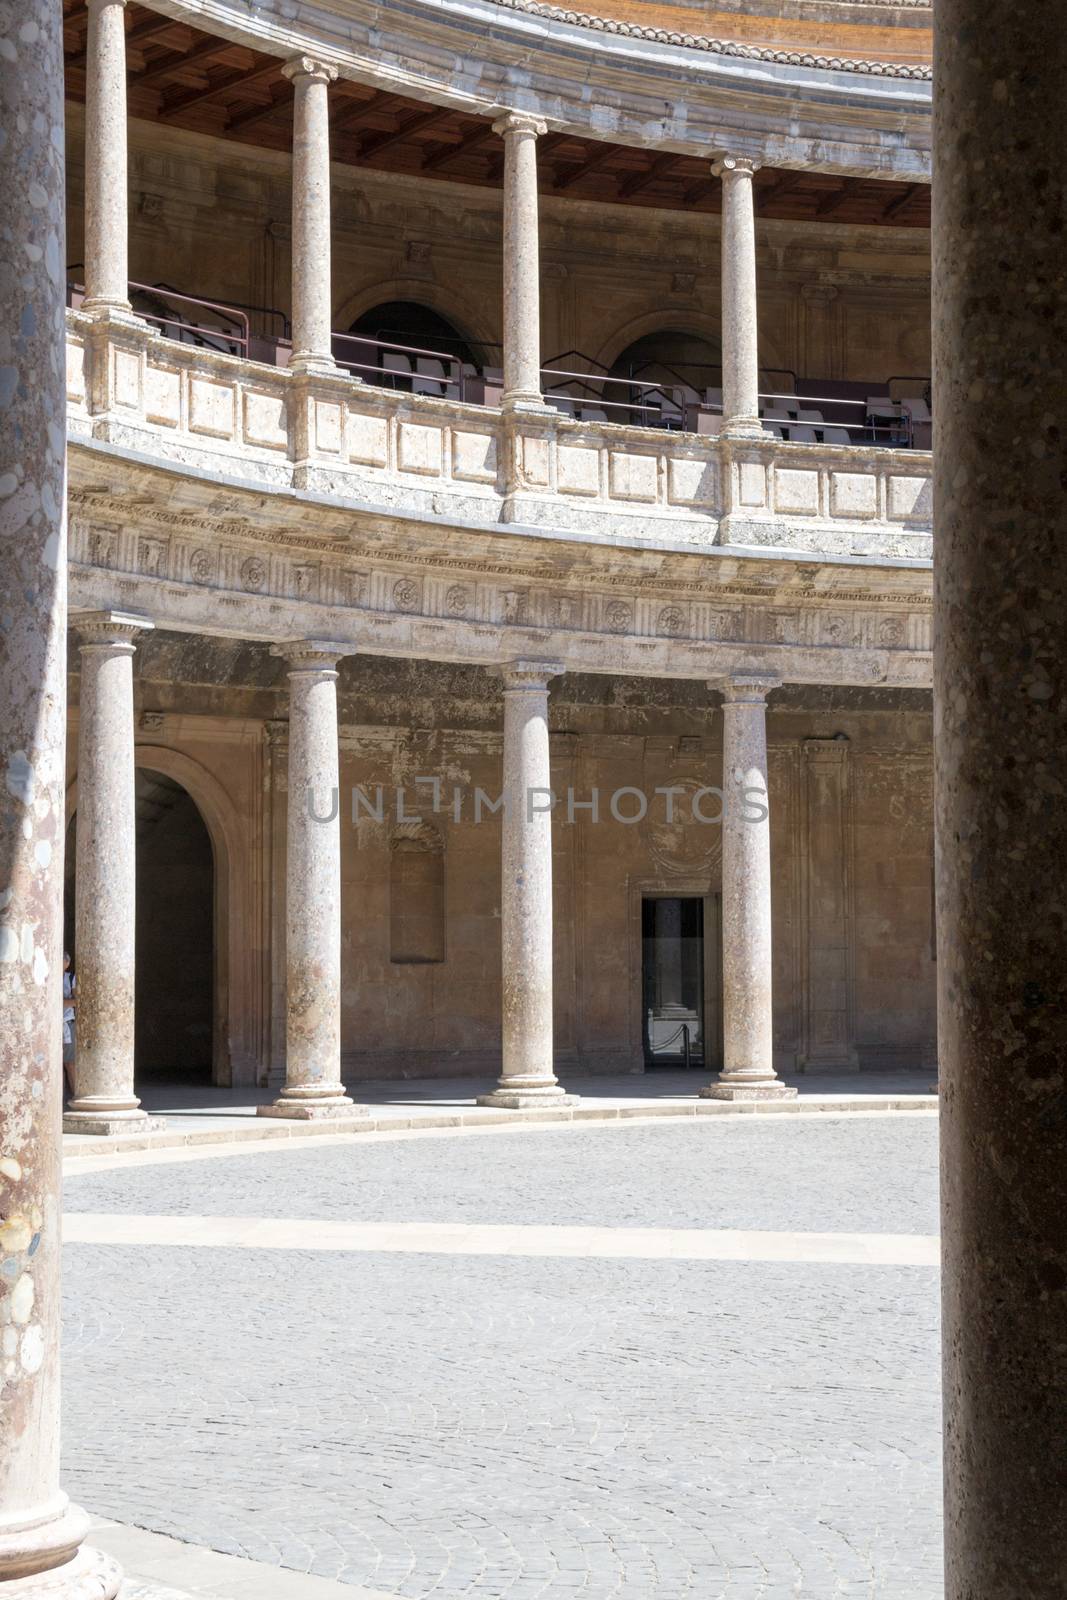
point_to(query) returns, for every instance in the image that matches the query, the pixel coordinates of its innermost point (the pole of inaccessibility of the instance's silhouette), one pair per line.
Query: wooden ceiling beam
(773, 191)
(176, 61)
(348, 110)
(377, 142)
(836, 198)
(143, 33)
(901, 201)
(470, 141)
(572, 175)
(657, 168)
(233, 80)
(248, 119)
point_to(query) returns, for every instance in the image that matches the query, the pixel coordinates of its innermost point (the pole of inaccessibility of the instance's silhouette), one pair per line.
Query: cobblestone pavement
(491, 1427)
(878, 1176)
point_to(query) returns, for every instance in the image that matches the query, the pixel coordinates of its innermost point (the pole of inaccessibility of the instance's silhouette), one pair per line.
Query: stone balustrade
(419, 456)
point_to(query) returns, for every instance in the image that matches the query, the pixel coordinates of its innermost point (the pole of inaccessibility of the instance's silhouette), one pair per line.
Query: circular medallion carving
(671, 621)
(202, 565)
(457, 600)
(619, 615)
(253, 573)
(406, 595)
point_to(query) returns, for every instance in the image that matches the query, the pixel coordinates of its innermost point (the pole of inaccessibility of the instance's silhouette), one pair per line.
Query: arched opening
(174, 997)
(403, 345)
(685, 365)
(174, 1001)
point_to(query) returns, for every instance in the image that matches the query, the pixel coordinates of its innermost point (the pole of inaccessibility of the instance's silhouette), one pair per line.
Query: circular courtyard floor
(467, 1410)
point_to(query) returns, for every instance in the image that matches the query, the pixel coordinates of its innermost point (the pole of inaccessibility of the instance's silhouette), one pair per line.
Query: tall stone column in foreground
(747, 999)
(40, 1532)
(311, 269)
(106, 225)
(313, 1086)
(527, 1077)
(740, 323)
(522, 260)
(1000, 664)
(105, 883)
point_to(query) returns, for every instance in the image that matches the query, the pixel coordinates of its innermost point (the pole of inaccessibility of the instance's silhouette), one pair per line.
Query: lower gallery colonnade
(105, 918)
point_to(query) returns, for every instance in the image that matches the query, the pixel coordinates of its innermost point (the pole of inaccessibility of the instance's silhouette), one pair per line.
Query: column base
(110, 1123)
(307, 361)
(771, 1090)
(314, 1110)
(526, 1096)
(528, 404)
(88, 1575)
(743, 428)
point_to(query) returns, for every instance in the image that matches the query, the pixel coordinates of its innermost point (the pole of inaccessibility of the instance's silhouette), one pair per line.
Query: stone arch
(231, 1058)
(685, 319)
(466, 316)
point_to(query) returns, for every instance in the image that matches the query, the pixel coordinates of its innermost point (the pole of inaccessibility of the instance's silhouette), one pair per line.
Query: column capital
(98, 5)
(745, 688)
(112, 629)
(520, 122)
(527, 674)
(312, 655)
(725, 166)
(309, 67)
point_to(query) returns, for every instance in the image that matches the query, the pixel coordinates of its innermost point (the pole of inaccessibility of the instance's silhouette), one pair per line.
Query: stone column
(740, 350)
(311, 288)
(748, 1013)
(105, 883)
(40, 1531)
(313, 1087)
(522, 272)
(106, 266)
(1000, 717)
(527, 1077)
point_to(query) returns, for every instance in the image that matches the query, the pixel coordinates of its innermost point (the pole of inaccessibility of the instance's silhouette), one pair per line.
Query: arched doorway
(174, 1006)
(680, 361)
(408, 347)
(174, 997)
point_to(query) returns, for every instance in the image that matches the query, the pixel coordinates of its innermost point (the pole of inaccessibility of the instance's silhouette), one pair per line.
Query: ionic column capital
(312, 655)
(520, 122)
(309, 67)
(112, 630)
(744, 688)
(526, 674)
(724, 166)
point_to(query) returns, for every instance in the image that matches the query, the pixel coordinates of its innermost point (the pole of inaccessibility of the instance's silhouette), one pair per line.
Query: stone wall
(851, 856)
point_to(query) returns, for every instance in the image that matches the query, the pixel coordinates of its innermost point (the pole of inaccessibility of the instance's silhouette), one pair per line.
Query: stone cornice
(724, 47)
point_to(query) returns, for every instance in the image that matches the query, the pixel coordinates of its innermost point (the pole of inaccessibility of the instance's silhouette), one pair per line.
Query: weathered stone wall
(213, 220)
(851, 855)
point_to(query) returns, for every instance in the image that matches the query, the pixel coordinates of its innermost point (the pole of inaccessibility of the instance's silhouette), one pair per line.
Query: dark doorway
(175, 934)
(673, 980)
(402, 345)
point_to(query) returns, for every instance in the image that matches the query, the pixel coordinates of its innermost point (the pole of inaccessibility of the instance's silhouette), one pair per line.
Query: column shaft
(522, 268)
(748, 1011)
(740, 348)
(311, 262)
(106, 265)
(105, 881)
(1000, 718)
(527, 1076)
(313, 1086)
(40, 1532)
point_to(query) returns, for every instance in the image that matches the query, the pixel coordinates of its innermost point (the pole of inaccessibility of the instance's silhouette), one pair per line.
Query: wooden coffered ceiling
(181, 77)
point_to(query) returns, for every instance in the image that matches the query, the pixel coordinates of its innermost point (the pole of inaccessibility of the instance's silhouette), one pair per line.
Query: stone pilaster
(311, 262)
(105, 881)
(748, 1013)
(313, 1087)
(1000, 746)
(740, 349)
(106, 221)
(527, 1076)
(827, 911)
(41, 1533)
(522, 271)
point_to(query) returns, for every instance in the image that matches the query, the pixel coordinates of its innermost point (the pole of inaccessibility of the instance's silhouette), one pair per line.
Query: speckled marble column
(1000, 706)
(527, 1077)
(311, 266)
(40, 1531)
(106, 226)
(522, 261)
(740, 348)
(105, 883)
(748, 1011)
(313, 1087)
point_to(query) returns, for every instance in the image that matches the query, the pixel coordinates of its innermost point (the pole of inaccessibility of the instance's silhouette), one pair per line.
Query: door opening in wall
(673, 978)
